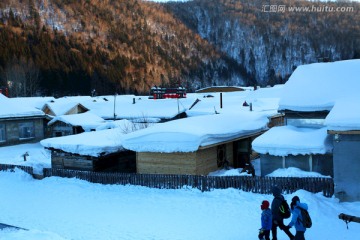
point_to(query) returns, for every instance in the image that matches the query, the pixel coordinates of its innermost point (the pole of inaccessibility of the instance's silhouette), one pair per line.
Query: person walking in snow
(266, 221)
(297, 217)
(277, 219)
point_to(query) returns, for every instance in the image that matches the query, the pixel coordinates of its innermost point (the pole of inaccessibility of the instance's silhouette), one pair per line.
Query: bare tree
(22, 77)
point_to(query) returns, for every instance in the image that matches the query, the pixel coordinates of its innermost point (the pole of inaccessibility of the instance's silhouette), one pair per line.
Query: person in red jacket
(266, 221)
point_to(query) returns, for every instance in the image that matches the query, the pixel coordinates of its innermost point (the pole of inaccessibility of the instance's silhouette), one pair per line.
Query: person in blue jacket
(266, 221)
(296, 213)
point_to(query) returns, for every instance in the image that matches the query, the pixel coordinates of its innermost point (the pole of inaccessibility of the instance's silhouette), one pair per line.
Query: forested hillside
(61, 47)
(270, 38)
(71, 47)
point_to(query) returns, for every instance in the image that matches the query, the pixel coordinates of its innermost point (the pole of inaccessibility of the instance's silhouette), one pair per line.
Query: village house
(20, 123)
(309, 141)
(91, 151)
(196, 145)
(73, 124)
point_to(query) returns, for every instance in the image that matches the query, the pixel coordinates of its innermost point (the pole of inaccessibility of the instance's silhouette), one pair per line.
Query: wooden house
(20, 123)
(232, 153)
(122, 161)
(73, 124)
(91, 151)
(308, 149)
(196, 145)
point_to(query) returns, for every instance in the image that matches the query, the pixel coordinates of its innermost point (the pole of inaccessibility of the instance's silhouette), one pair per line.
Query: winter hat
(265, 205)
(276, 191)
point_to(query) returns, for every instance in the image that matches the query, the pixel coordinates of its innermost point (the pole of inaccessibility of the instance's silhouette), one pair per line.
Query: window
(306, 122)
(2, 133)
(26, 130)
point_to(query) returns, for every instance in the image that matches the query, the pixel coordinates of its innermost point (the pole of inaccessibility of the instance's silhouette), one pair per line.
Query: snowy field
(57, 208)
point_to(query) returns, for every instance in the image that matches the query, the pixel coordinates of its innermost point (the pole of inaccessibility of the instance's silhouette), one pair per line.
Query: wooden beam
(350, 132)
(349, 218)
(232, 140)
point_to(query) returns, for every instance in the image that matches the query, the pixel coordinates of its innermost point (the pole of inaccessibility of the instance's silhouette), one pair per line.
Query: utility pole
(115, 106)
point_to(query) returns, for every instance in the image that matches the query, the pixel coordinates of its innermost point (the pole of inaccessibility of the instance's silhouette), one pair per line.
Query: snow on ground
(38, 157)
(61, 209)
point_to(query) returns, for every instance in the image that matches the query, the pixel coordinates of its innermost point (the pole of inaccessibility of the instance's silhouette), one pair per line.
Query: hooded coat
(275, 204)
(296, 213)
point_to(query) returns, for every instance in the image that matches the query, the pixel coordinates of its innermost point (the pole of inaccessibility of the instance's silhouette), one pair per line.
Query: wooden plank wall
(166, 163)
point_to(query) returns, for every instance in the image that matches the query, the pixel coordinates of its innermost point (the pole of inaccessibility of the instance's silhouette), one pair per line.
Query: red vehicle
(162, 93)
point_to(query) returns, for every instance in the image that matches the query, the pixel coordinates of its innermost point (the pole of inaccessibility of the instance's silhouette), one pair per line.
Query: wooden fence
(204, 183)
(5, 167)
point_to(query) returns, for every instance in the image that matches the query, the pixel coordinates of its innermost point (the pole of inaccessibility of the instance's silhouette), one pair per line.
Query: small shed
(308, 149)
(91, 151)
(196, 145)
(75, 123)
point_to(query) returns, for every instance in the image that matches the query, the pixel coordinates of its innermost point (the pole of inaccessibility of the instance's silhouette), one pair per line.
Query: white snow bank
(37, 156)
(295, 172)
(345, 115)
(78, 210)
(285, 140)
(11, 109)
(88, 143)
(87, 120)
(317, 86)
(187, 135)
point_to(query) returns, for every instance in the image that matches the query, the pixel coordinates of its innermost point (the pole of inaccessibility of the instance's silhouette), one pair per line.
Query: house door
(242, 152)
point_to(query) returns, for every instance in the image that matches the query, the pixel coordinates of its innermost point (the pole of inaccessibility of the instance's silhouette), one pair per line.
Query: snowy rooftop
(10, 109)
(35, 102)
(317, 86)
(88, 143)
(86, 120)
(125, 108)
(189, 134)
(61, 106)
(285, 140)
(345, 115)
(184, 135)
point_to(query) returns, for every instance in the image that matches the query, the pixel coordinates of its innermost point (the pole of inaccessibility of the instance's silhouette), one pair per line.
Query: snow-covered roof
(86, 120)
(143, 107)
(36, 102)
(290, 140)
(345, 115)
(13, 109)
(122, 124)
(94, 143)
(61, 106)
(189, 134)
(317, 86)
